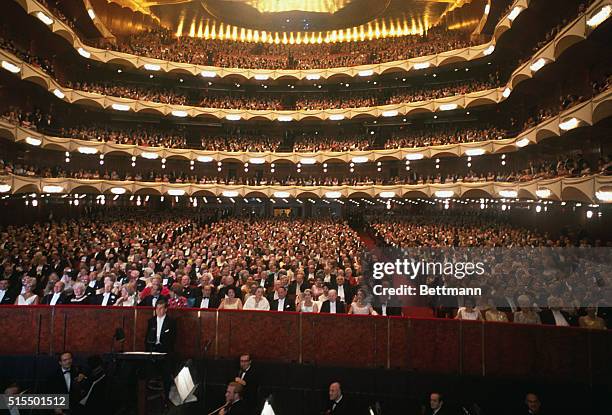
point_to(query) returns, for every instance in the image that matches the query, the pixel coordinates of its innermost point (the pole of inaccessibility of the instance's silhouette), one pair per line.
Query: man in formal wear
(106, 298)
(333, 305)
(248, 378)
(68, 379)
(161, 330)
(208, 299)
(298, 286)
(338, 404)
(6, 296)
(554, 315)
(153, 297)
(534, 406)
(344, 289)
(57, 296)
(436, 405)
(234, 404)
(282, 303)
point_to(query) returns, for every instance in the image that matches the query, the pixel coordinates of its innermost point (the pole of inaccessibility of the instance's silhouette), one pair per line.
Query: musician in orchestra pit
(249, 379)
(338, 404)
(234, 404)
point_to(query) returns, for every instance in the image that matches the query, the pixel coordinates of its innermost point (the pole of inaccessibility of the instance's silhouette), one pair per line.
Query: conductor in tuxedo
(234, 403)
(161, 330)
(338, 404)
(333, 305)
(68, 379)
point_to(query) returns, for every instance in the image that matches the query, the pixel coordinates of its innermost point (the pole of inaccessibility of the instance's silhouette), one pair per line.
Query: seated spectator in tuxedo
(107, 297)
(153, 297)
(127, 297)
(186, 286)
(297, 287)
(6, 296)
(208, 298)
(533, 403)
(231, 302)
(57, 296)
(68, 379)
(234, 402)
(257, 301)
(78, 297)
(592, 320)
(437, 405)
(554, 315)
(307, 305)
(177, 298)
(344, 289)
(27, 297)
(338, 404)
(283, 303)
(469, 311)
(249, 379)
(333, 305)
(155, 281)
(360, 306)
(161, 330)
(526, 313)
(273, 295)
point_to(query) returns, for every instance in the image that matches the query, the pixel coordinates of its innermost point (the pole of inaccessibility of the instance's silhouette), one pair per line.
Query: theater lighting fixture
(257, 160)
(285, 118)
(11, 67)
(308, 160)
(176, 192)
(488, 50)
(281, 195)
(52, 189)
(313, 77)
(208, 74)
(333, 195)
(537, 65)
(87, 150)
(230, 193)
(84, 53)
(261, 77)
(444, 194)
(600, 16)
(5, 188)
(367, 72)
(58, 93)
(118, 190)
(522, 142)
(569, 124)
(514, 13)
(336, 117)
(359, 159)
(232, 117)
(448, 107)
(180, 113)
(589, 214)
(44, 18)
(604, 195)
(538, 209)
(421, 65)
(508, 193)
(386, 195)
(414, 156)
(475, 152)
(91, 13)
(506, 92)
(543, 193)
(390, 113)
(205, 159)
(33, 141)
(152, 67)
(120, 107)
(149, 155)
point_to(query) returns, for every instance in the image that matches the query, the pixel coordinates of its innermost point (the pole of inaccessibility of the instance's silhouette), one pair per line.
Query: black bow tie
(66, 371)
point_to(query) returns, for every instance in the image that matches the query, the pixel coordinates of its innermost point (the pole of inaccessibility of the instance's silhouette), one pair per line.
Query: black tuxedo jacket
(166, 338)
(57, 384)
(238, 408)
(251, 378)
(97, 299)
(148, 300)
(391, 311)
(340, 308)
(289, 305)
(342, 407)
(63, 299)
(293, 287)
(9, 297)
(212, 303)
(547, 317)
(348, 292)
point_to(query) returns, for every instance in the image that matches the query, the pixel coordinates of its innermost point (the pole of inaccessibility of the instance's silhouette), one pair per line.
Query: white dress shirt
(160, 323)
(341, 292)
(2, 292)
(281, 304)
(105, 298)
(54, 298)
(332, 307)
(560, 319)
(205, 302)
(67, 379)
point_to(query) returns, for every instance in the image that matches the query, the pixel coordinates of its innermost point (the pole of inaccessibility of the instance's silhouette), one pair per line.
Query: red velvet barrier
(423, 345)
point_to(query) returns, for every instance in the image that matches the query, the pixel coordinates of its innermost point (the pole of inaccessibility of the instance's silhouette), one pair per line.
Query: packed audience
(318, 142)
(6, 43)
(442, 135)
(161, 95)
(163, 44)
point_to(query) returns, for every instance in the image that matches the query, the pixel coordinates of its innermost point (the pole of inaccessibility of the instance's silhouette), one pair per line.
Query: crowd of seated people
(164, 44)
(567, 166)
(36, 119)
(318, 142)
(513, 292)
(25, 55)
(140, 136)
(162, 95)
(442, 135)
